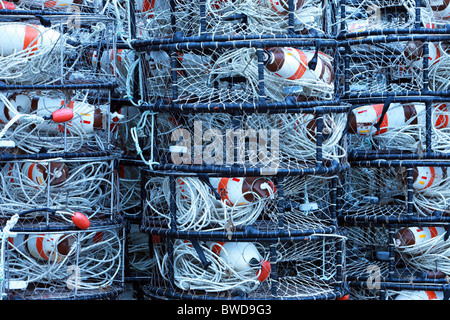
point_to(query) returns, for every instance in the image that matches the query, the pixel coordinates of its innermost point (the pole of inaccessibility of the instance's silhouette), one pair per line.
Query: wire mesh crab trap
(63, 185)
(201, 207)
(393, 48)
(285, 143)
(395, 218)
(294, 139)
(403, 191)
(300, 119)
(237, 17)
(399, 128)
(56, 121)
(375, 17)
(379, 256)
(62, 265)
(254, 268)
(239, 73)
(58, 75)
(391, 58)
(239, 76)
(232, 205)
(189, 114)
(394, 65)
(50, 49)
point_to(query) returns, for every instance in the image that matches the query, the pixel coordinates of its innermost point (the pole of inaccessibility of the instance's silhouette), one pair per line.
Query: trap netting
(237, 17)
(391, 16)
(396, 64)
(393, 191)
(266, 142)
(233, 205)
(306, 268)
(384, 15)
(130, 190)
(129, 167)
(61, 186)
(81, 264)
(239, 72)
(74, 120)
(367, 255)
(380, 256)
(393, 47)
(139, 261)
(55, 50)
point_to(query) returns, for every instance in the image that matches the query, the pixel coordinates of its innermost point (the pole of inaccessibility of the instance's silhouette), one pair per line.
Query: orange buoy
(80, 220)
(62, 115)
(7, 5)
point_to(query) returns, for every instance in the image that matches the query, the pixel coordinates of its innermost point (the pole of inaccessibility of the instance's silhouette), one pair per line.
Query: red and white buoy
(363, 119)
(38, 173)
(420, 295)
(51, 247)
(242, 256)
(426, 177)
(17, 37)
(413, 238)
(291, 63)
(242, 191)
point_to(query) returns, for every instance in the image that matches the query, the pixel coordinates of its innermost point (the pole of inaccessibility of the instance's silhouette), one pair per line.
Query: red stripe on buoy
(432, 178)
(218, 247)
(49, 4)
(384, 124)
(40, 246)
(433, 232)
(222, 190)
(30, 171)
(30, 38)
(302, 66)
(442, 120)
(431, 295)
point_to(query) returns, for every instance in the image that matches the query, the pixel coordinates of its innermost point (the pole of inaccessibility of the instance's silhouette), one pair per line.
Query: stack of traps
(243, 144)
(394, 202)
(59, 196)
